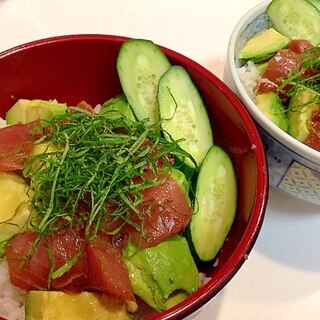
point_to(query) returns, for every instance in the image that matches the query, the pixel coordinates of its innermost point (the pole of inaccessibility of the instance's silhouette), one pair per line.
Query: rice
(203, 279)
(11, 298)
(249, 77)
(3, 123)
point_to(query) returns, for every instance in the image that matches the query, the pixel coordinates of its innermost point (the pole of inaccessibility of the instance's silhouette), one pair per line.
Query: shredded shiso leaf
(88, 177)
(308, 75)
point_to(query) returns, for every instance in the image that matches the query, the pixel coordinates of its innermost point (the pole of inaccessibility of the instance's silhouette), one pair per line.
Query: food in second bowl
(281, 70)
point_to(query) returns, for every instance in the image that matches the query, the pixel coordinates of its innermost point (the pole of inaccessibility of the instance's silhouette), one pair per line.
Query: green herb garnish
(306, 77)
(89, 176)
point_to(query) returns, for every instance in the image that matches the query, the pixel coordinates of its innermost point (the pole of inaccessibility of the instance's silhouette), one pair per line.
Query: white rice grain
(249, 77)
(11, 298)
(3, 123)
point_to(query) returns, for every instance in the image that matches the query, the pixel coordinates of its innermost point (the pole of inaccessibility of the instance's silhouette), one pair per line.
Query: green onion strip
(53, 189)
(92, 168)
(307, 77)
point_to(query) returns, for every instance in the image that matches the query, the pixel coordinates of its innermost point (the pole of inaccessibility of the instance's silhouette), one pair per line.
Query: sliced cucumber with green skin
(263, 46)
(140, 64)
(296, 19)
(316, 3)
(183, 114)
(215, 205)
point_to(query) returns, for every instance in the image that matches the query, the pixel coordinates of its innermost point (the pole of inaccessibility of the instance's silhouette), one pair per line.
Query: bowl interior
(83, 67)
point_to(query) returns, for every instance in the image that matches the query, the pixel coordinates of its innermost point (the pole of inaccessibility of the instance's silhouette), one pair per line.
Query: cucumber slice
(183, 114)
(140, 64)
(215, 204)
(316, 3)
(296, 19)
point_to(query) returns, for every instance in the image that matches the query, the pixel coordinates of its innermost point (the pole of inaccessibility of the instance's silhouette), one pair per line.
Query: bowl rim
(294, 145)
(198, 299)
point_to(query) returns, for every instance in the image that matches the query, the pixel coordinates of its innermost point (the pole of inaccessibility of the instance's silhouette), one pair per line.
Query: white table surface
(281, 279)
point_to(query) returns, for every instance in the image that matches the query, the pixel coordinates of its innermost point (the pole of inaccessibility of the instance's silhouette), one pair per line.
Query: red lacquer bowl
(83, 67)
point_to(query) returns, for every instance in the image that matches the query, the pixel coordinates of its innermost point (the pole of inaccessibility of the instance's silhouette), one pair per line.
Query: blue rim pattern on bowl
(290, 172)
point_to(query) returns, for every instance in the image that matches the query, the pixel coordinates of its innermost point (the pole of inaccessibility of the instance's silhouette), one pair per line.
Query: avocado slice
(262, 67)
(301, 107)
(271, 105)
(263, 46)
(56, 305)
(39, 149)
(117, 106)
(24, 110)
(162, 275)
(180, 177)
(14, 210)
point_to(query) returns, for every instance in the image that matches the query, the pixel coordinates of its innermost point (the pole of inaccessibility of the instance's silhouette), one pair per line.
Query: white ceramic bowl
(294, 168)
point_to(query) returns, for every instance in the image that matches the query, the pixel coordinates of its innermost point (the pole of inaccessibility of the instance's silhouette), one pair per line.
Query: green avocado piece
(24, 110)
(263, 46)
(271, 105)
(176, 298)
(262, 67)
(15, 210)
(180, 177)
(164, 274)
(301, 107)
(56, 305)
(117, 106)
